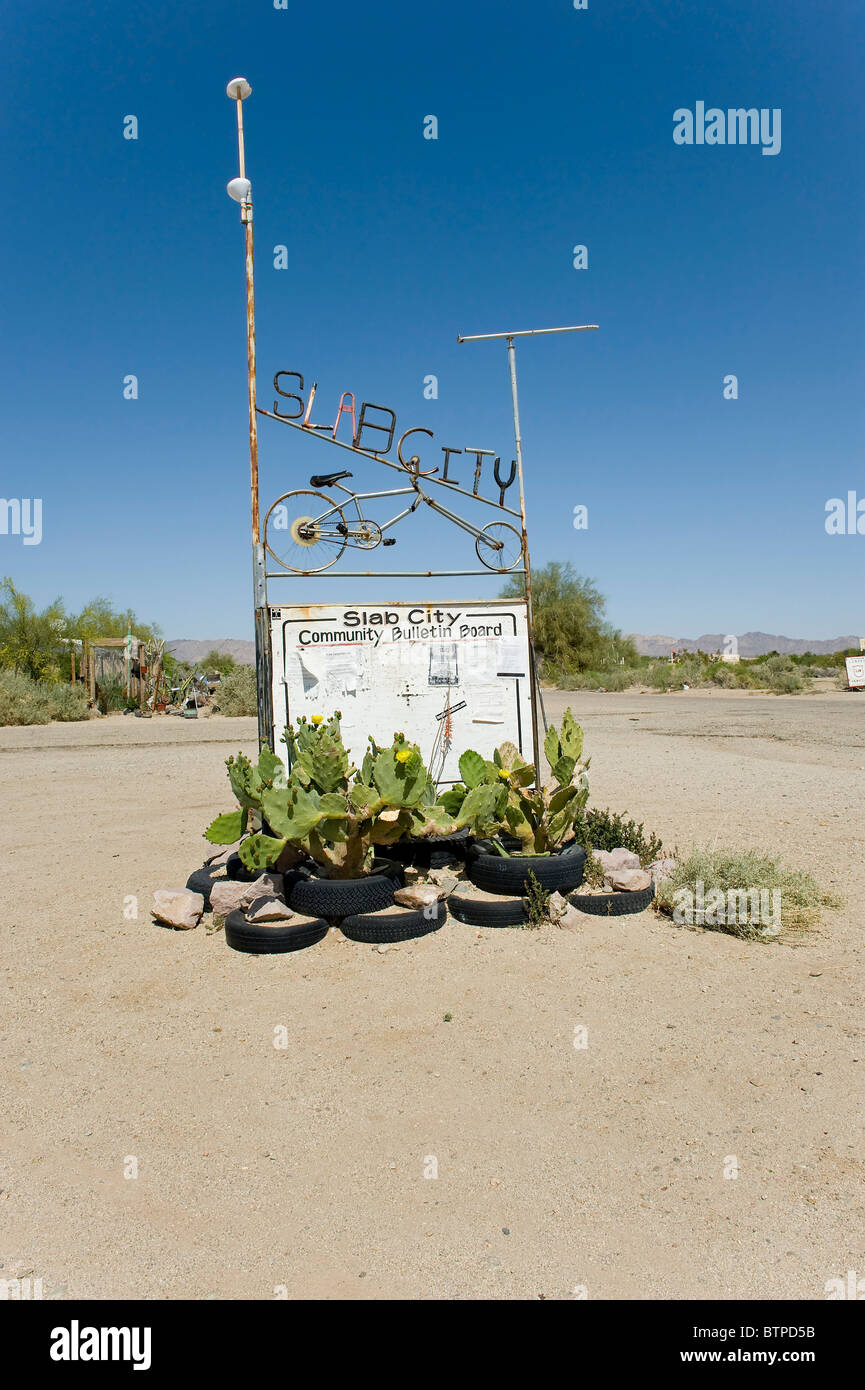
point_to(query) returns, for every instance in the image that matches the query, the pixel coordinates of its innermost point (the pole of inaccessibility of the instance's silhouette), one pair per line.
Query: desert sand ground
(302, 1169)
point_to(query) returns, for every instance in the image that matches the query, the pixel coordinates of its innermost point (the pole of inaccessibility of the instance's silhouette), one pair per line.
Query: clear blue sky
(555, 128)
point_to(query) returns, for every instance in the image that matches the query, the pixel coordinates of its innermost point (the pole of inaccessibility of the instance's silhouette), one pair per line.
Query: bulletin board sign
(855, 672)
(449, 675)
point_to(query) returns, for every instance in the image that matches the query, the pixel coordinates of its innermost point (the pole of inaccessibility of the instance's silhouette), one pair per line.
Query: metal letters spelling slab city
(370, 429)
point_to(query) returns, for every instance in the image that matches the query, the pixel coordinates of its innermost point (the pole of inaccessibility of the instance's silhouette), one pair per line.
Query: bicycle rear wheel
(302, 532)
(499, 546)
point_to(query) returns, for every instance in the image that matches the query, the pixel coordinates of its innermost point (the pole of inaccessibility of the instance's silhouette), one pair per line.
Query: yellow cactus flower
(504, 774)
(317, 718)
(403, 755)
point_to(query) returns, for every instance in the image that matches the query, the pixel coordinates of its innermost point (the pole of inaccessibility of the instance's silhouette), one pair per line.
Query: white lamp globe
(238, 189)
(238, 89)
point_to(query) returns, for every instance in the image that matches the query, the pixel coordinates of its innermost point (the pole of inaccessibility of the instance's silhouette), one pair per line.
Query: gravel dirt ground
(266, 1171)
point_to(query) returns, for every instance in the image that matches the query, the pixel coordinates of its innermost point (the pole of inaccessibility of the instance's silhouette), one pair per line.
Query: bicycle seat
(328, 479)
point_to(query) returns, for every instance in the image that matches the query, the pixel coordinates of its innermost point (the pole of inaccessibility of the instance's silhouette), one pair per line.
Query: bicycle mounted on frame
(306, 540)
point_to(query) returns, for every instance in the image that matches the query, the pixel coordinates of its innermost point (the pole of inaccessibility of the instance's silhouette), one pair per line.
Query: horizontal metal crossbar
(385, 574)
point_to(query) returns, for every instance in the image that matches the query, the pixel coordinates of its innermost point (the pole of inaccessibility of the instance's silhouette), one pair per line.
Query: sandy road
(557, 1168)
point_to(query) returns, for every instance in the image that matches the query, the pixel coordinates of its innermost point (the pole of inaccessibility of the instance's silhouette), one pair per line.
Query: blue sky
(555, 129)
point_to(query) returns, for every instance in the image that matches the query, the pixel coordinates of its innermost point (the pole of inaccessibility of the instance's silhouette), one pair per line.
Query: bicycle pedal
(391, 540)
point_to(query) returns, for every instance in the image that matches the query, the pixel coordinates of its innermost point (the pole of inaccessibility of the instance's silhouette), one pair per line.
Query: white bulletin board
(409, 667)
(855, 671)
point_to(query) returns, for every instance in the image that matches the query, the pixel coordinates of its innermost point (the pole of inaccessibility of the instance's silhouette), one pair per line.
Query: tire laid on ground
(373, 928)
(343, 897)
(613, 904)
(401, 851)
(554, 872)
(476, 912)
(432, 851)
(203, 879)
(440, 851)
(259, 940)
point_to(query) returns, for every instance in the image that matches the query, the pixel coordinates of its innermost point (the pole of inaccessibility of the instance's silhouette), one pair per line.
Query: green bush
(218, 661)
(596, 829)
(616, 678)
(660, 675)
(236, 693)
(571, 633)
(781, 675)
(25, 701)
(22, 701)
(68, 702)
(725, 676)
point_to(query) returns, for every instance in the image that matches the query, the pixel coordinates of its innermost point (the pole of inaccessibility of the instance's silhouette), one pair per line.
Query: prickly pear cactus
(329, 811)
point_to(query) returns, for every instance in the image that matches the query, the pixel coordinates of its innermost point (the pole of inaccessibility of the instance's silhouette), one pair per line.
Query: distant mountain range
(193, 651)
(750, 644)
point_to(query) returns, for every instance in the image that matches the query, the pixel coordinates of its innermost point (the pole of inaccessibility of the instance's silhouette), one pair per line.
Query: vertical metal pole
(263, 658)
(533, 674)
(246, 219)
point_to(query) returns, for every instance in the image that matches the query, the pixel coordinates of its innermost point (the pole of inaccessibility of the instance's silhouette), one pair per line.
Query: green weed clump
(236, 693)
(613, 678)
(26, 701)
(748, 894)
(68, 703)
(536, 902)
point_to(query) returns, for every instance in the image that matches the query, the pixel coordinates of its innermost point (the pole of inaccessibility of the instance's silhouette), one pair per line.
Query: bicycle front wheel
(499, 546)
(305, 532)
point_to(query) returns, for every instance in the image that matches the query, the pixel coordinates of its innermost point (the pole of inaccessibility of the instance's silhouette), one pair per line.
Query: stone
(267, 886)
(628, 880)
(571, 919)
(265, 910)
(177, 907)
(617, 859)
(446, 879)
(227, 896)
(557, 906)
(419, 895)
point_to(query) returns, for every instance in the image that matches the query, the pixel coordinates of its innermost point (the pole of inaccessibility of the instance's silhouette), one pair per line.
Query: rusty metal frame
(238, 90)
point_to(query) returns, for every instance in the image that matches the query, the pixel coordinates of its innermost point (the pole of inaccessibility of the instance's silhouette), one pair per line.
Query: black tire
(258, 940)
(408, 925)
(342, 897)
(554, 872)
(203, 880)
(513, 845)
(476, 912)
(432, 851)
(441, 851)
(614, 904)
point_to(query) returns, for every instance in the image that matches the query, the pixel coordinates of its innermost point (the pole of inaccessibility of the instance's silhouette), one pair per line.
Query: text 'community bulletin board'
(450, 676)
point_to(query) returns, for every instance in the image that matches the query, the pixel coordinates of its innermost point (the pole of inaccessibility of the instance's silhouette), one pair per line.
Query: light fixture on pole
(512, 368)
(240, 189)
